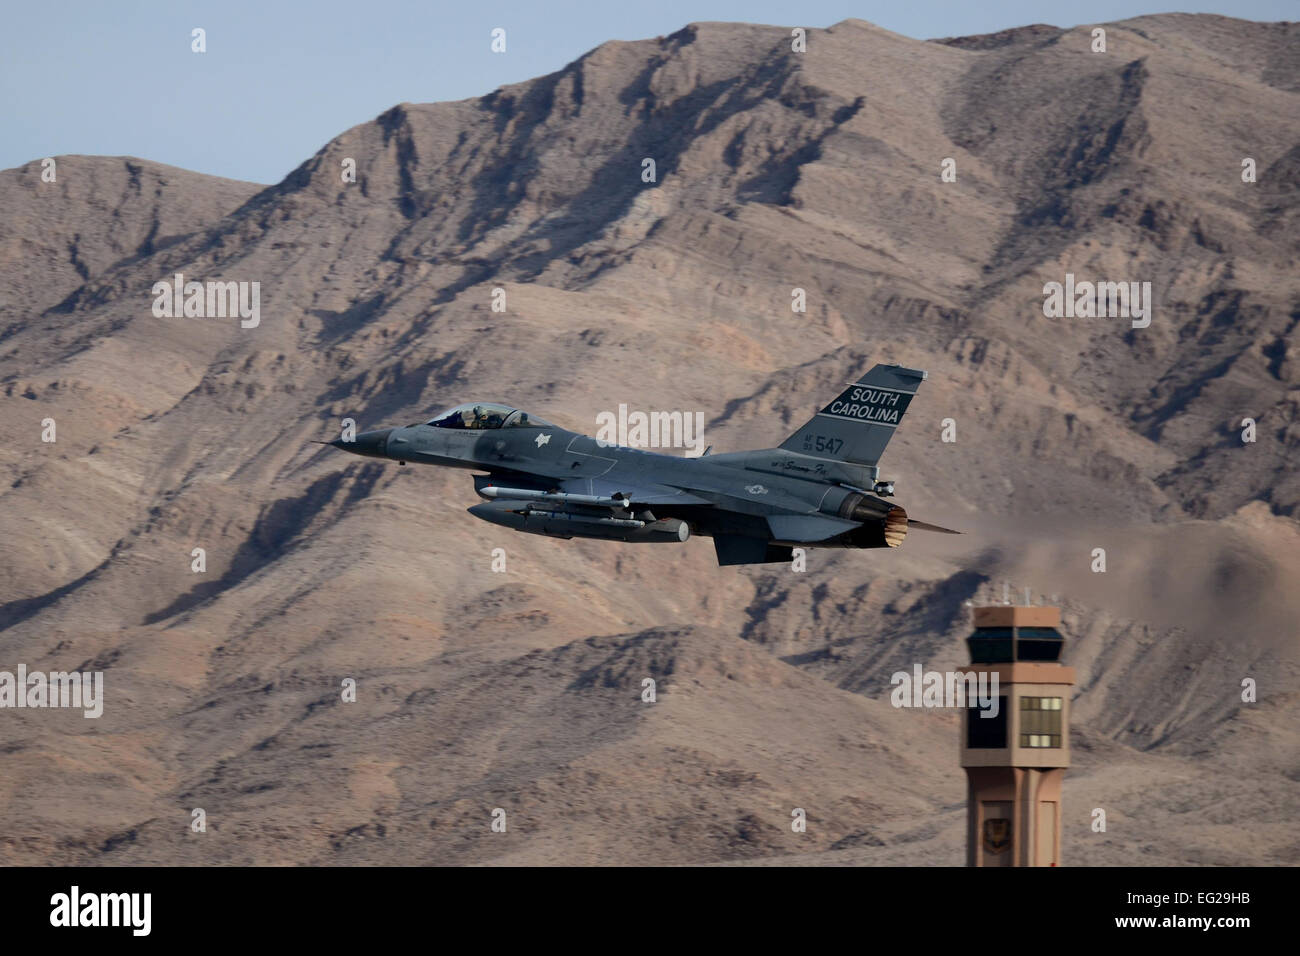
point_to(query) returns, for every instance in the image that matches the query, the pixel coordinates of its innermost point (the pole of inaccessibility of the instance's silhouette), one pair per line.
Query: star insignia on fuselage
(542, 440)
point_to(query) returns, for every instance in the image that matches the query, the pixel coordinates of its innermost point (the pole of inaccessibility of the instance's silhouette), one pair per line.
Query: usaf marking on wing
(823, 482)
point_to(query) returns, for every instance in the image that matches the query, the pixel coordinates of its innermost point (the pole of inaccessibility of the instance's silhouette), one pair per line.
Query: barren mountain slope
(773, 171)
(98, 211)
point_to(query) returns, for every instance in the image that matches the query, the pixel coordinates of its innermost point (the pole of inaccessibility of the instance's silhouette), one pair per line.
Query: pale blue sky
(280, 79)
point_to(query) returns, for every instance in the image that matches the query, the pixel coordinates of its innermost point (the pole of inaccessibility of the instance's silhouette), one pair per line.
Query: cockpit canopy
(486, 415)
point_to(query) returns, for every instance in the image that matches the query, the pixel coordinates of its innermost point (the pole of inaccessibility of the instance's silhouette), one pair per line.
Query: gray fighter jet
(820, 489)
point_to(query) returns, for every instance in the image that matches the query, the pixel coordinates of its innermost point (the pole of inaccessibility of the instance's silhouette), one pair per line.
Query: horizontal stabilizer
(807, 528)
(740, 549)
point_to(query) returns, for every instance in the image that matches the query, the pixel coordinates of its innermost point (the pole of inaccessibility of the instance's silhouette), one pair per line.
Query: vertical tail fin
(857, 425)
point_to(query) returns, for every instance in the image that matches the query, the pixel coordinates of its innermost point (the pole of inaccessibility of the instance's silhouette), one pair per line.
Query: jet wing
(640, 493)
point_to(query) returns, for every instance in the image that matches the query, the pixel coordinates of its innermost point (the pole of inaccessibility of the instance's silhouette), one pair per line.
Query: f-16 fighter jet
(820, 489)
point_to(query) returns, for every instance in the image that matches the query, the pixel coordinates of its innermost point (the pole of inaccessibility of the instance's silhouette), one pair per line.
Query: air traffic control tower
(1015, 762)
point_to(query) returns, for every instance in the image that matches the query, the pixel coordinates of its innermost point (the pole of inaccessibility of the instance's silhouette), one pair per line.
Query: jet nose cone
(371, 444)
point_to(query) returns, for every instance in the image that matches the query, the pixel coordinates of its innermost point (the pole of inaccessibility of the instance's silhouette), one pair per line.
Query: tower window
(987, 733)
(1039, 644)
(1040, 721)
(990, 645)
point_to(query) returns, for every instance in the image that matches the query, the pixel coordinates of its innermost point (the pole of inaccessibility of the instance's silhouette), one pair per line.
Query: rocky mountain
(773, 171)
